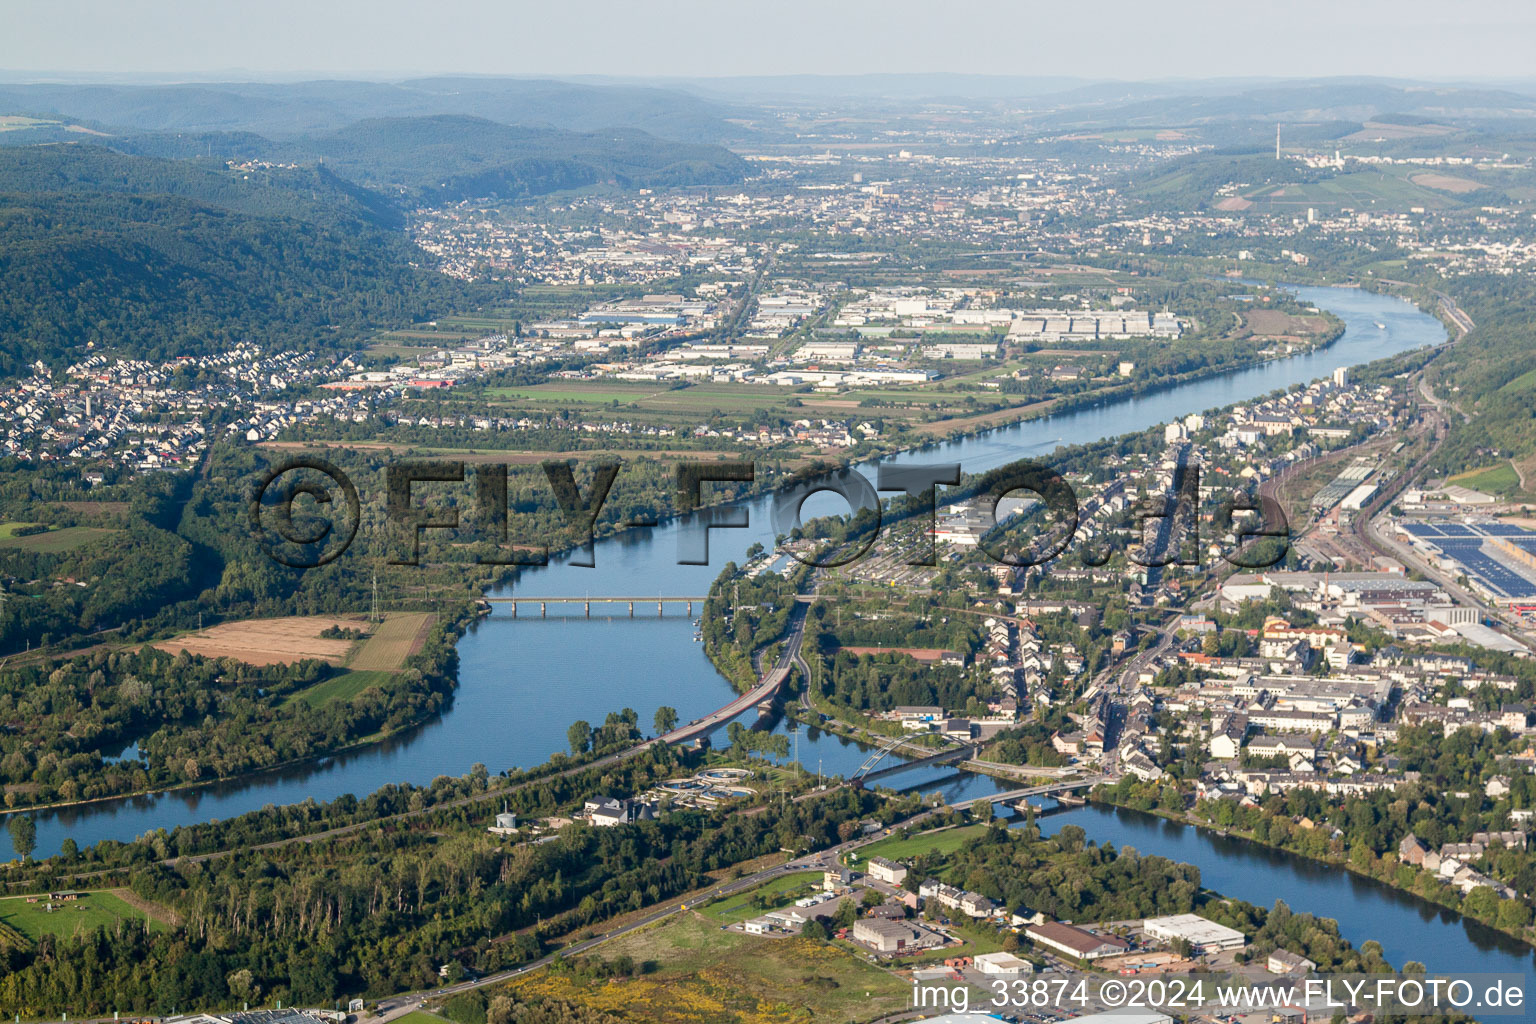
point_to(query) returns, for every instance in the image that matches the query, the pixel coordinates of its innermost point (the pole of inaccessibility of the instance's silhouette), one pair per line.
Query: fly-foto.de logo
(305, 512)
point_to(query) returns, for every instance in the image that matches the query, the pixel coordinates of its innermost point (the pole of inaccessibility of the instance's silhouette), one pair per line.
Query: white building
(887, 871)
(1002, 965)
(1203, 936)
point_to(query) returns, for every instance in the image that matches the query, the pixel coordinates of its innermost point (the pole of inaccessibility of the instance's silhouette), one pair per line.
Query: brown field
(400, 635)
(1233, 203)
(1446, 183)
(270, 641)
(1274, 323)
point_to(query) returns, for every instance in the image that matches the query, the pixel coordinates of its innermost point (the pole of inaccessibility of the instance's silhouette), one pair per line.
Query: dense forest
(448, 158)
(167, 262)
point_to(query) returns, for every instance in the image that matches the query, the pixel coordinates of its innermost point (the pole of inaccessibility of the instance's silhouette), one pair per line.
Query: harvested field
(270, 641)
(400, 635)
(1446, 183)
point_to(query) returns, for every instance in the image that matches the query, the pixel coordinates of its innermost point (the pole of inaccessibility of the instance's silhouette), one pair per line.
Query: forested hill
(157, 259)
(442, 158)
(451, 157)
(304, 193)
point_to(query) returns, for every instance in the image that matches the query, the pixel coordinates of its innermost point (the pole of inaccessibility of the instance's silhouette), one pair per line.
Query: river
(523, 681)
(1407, 927)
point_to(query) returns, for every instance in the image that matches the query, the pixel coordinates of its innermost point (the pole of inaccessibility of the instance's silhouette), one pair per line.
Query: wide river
(523, 681)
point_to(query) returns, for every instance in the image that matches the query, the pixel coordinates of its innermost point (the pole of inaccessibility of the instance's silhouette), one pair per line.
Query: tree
(665, 720)
(242, 984)
(579, 735)
(500, 1011)
(23, 835)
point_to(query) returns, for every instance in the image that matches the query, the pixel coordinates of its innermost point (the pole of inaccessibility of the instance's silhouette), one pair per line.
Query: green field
(52, 542)
(1357, 189)
(342, 687)
(93, 910)
(896, 848)
(1500, 479)
(740, 906)
(421, 1017)
(1524, 382)
(659, 397)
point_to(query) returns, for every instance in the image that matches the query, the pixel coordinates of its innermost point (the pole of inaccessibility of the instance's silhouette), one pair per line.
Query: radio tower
(1277, 140)
(373, 613)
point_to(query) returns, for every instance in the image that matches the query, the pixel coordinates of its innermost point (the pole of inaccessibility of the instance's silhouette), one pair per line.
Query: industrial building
(1085, 945)
(1203, 936)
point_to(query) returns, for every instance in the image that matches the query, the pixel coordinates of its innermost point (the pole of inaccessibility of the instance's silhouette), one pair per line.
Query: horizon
(695, 39)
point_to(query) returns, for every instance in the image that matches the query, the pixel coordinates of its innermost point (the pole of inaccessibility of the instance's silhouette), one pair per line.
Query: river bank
(1188, 819)
(523, 680)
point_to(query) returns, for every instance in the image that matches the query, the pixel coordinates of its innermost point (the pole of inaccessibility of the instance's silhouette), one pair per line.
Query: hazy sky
(1083, 38)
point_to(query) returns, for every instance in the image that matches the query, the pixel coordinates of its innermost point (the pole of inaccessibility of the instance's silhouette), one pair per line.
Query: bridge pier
(514, 609)
(543, 609)
(658, 609)
(631, 609)
(588, 606)
(690, 609)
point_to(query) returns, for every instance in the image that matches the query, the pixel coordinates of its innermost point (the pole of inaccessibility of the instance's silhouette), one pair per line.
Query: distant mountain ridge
(290, 110)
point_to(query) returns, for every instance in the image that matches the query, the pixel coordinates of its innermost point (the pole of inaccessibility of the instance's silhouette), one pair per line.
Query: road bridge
(765, 690)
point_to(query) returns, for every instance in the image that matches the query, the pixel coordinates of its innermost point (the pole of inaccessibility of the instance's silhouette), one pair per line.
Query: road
(400, 1005)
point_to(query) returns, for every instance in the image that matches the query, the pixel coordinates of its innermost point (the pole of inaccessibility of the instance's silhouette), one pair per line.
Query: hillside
(309, 194)
(450, 158)
(431, 159)
(160, 258)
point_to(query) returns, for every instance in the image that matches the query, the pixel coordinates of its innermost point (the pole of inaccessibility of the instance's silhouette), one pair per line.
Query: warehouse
(1084, 945)
(1203, 936)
